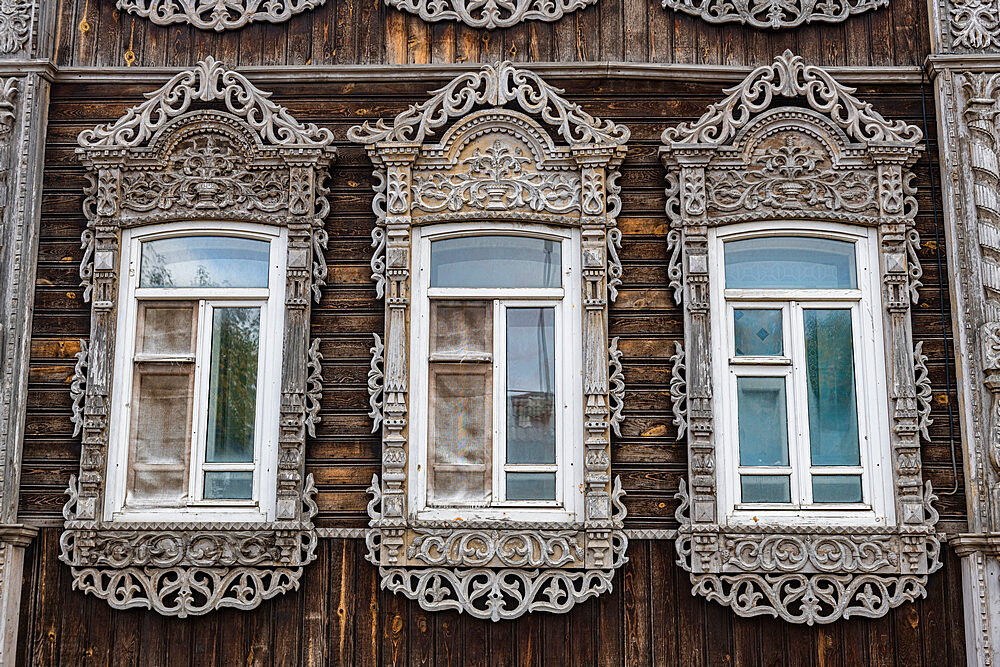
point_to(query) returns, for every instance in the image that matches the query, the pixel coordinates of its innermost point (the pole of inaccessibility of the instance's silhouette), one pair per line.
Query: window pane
(160, 434)
(757, 332)
(166, 328)
(460, 428)
(833, 410)
(836, 488)
(531, 486)
(763, 424)
(496, 261)
(463, 328)
(531, 377)
(765, 489)
(790, 262)
(204, 261)
(232, 391)
(228, 485)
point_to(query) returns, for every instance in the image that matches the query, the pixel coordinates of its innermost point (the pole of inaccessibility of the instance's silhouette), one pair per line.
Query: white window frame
(870, 349)
(569, 502)
(261, 506)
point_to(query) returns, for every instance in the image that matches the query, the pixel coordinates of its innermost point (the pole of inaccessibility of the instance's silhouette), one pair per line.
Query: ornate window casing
(828, 163)
(770, 14)
(208, 150)
(215, 15)
(496, 170)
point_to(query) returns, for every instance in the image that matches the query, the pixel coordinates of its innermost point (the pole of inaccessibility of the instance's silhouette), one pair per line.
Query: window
(496, 314)
(800, 371)
(198, 362)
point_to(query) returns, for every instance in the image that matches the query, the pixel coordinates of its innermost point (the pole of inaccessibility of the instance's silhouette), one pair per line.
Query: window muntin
(802, 356)
(199, 354)
(503, 355)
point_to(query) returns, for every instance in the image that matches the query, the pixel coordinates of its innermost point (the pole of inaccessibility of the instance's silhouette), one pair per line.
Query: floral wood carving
(490, 14)
(832, 159)
(236, 157)
(678, 389)
(77, 387)
(617, 381)
(776, 14)
(924, 392)
(217, 15)
(15, 25)
(511, 149)
(969, 25)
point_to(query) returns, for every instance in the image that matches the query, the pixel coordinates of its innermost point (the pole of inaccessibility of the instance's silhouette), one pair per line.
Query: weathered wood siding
(339, 617)
(367, 32)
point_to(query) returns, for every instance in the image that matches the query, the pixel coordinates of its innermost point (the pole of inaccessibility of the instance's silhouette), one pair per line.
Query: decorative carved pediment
(775, 14)
(496, 144)
(753, 157)
(207, 146)
(217, 15)
(492, 14)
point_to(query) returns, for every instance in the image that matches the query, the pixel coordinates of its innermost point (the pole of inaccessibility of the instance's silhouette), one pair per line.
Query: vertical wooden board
(799, 650)
(286, 612)
(125, 636)
(636, 603)
(371, 38)
(610, 19)
(314, 594)
(829, 651)
(298, 40)
(690, 618)
(685, 40)
(854, 639)
(637, 29)
(879, 641)
(541, 43)
(747, 649)
(448, 648)
(733, 47)
(261, 630)
(718, 634)
(73, 634)
(340, 624)
(475, 636)
(418, 44)
(86, 28)
(880, 22)
(100, 643)
(582, 623)
(45, 635)
(346, 15)
(63, 44)
(556, 639)
(609, 620)
(502, 645)
(420, 636)
(906, 634)
(588, 33)
(443, 42)
(323, 34)
(204, 641)
(564, 45)
(394, 622)
(955, 634)
(108, 52)
(395, 37)
(366, 605)
(663, 604)
(466, 44)
(660, 31)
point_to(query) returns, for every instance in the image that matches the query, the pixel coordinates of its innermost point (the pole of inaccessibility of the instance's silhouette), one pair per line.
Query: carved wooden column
(25, 35)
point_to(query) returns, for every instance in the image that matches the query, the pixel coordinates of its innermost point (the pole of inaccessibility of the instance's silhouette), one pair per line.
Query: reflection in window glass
(833, 410)
(763, 424)
(496, 261)
(204, 261)
(232, 392)
(757, 332)
(765, 489)
(836, 488)
(775, 262)
(228, 485)
(531, 486)
(531, 425)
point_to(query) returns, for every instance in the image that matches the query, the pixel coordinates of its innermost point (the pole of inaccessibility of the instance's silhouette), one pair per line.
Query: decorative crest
(208, 81)
(774, 14)
(217, 15)
(494, 85)
(490, 14)
(790, 76)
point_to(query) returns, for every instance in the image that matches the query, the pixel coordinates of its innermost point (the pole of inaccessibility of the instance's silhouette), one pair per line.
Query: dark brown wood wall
(339, 617)
(368, 32)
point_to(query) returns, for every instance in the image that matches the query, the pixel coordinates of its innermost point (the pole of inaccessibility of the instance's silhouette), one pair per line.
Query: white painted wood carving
(774, 14)
(217, 15)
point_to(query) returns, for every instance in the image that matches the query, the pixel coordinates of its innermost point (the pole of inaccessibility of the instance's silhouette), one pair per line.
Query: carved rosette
(833, 159)
(240, 157)
(775, 14)
(216, 15)
(495, 161)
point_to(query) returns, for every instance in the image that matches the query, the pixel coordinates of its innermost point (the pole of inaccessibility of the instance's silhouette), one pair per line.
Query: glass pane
(531, 377)
(460, 428)
(763, 424)
(496, 261)
(531, 486)
(836, 488)
(765, 489)
(790, 262)
(160, 434)
(228, 485)
(166, 328)
(833, 410)
(757, 332)
(232, 391)
(204, 261)
(462, 328)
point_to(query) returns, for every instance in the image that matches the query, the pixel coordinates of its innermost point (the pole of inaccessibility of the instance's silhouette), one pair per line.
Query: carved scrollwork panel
(830, 159)
(237, 157)
(489, 15)
(774, 15)
(216, 15)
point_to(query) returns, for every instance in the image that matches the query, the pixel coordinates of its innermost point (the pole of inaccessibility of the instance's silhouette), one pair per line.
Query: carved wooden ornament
(852, 167)
(207, 130)
(216, 15)
(495, 161)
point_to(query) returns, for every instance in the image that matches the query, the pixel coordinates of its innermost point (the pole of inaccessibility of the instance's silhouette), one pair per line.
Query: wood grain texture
(637, 624)
(344, 454)
(368, 32)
